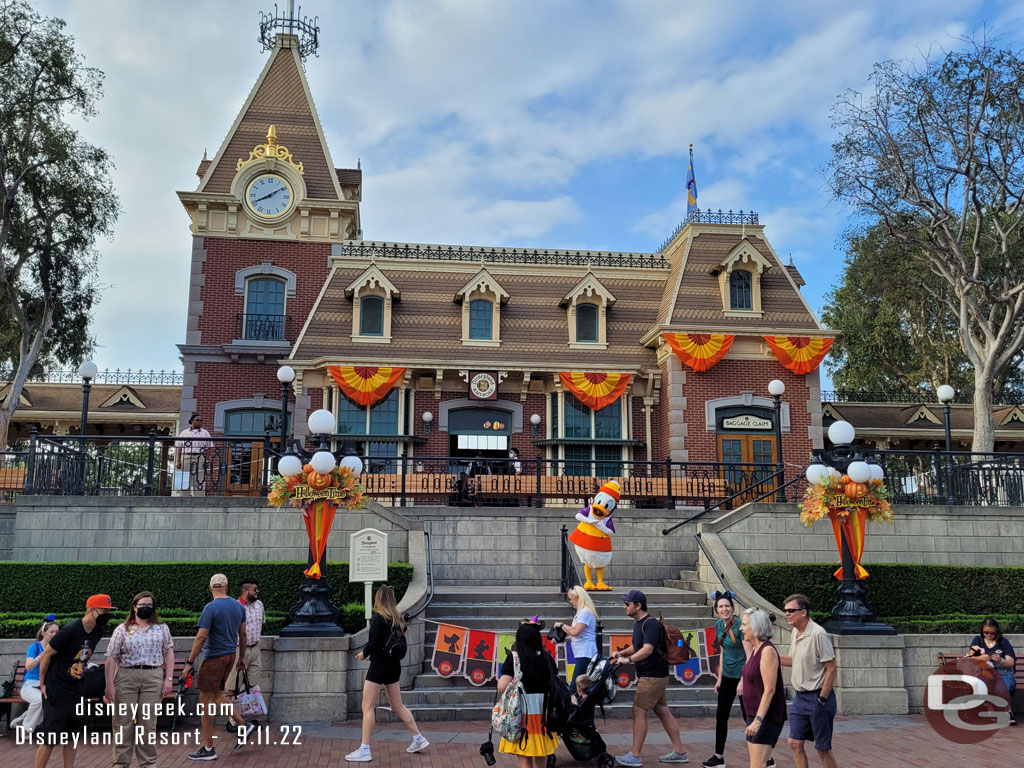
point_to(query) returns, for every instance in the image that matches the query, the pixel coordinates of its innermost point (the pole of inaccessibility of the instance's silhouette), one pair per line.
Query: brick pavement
(860, 742)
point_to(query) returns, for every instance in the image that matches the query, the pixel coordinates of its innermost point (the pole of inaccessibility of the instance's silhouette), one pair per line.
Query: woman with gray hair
(762, 684)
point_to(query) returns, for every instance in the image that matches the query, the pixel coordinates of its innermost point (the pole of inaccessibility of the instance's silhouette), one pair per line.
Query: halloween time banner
(365, 384)
(595, 390)
(800, 354)
(477, 655)
(699, 351)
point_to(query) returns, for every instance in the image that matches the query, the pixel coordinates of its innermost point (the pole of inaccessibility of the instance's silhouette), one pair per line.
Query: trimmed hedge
(30, 591)
(919, 591)
(181, 623)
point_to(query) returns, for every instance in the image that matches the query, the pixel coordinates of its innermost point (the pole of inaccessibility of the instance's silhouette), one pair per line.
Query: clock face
(483, 386)
(269, 196)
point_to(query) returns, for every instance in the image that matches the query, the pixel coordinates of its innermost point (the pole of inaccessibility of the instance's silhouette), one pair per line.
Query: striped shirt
(136, 645)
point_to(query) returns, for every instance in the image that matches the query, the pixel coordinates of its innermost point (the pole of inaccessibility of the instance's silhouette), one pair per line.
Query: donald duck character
(593, 535)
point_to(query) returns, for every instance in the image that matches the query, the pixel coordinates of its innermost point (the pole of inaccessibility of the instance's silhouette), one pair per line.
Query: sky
(517, 123)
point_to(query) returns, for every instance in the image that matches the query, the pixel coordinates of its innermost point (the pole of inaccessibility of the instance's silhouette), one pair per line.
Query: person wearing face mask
(61, 668)
(139, 672)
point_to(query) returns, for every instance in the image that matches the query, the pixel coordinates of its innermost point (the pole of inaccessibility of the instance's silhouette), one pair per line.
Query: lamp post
(534, 424)
(852, 615)
(314, 615)
(428, 418)
(946, 394)
(87, 371)
(285, 375)
(775, 388)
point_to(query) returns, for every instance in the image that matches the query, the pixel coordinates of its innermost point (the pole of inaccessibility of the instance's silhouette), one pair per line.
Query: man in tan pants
(249, 597)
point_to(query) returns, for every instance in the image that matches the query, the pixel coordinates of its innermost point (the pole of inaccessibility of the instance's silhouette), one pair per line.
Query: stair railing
(570, 576)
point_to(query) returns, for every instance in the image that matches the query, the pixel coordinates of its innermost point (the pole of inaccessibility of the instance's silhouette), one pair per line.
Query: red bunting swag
(595, 390)
(700, 351)
(365, 384)
(799, 354)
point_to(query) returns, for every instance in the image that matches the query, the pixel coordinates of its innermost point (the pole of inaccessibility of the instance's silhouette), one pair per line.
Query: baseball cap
(634, 596)
(99, 601)
(218, 580)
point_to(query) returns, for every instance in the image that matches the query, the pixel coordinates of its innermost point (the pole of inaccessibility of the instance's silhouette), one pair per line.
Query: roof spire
(292, 23)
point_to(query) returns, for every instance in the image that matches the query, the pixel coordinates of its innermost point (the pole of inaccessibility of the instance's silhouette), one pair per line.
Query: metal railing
(377, 250)
(570, 573)
(12, 475)
(117, 376)
(889, 396)
(954, 477)
(711, 217)
(254, 327)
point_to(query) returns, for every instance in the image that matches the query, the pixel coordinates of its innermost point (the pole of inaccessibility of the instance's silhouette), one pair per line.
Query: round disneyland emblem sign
(482, 385)
(966, 701)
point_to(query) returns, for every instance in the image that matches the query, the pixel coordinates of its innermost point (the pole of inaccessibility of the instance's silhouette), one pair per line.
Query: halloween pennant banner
(449, 650)
(699, 351)
(365, 384)
(799, 354)
(595, 390)
(480, 656)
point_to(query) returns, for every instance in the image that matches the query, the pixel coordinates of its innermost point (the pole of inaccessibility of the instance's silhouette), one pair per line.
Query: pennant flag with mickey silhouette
(449, 649)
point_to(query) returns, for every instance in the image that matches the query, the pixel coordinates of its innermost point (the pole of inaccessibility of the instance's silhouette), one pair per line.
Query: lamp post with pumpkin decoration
(318, 485)
(850, 491)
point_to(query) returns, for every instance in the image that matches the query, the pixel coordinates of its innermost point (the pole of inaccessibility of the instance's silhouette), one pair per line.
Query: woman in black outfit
(386, 624)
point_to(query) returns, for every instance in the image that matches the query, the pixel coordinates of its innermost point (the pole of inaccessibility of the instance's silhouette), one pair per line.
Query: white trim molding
(744, 399)
(266, 268)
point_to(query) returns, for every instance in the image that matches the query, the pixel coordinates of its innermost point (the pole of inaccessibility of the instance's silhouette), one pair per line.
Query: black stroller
(580, 735)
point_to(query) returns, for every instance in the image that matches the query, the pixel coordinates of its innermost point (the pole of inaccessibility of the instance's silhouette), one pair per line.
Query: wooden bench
(12, 688)
(12, 479)
(1016, 698)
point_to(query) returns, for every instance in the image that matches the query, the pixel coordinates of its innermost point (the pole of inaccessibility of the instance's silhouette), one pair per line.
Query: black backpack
(396, 646)
(557, 705)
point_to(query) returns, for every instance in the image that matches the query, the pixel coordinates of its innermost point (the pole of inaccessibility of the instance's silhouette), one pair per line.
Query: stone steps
(688, 580)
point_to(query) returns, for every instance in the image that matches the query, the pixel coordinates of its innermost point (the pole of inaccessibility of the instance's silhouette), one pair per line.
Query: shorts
(650, 692)
(810, 721)
(383, 673)
(213, 673)
(59, 716)
(768, 733)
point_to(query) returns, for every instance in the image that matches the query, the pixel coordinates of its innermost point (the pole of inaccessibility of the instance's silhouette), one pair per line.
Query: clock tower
(264, 215)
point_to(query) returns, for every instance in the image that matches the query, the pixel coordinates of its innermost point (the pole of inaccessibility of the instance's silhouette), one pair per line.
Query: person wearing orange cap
(593, 535)
(61, 668)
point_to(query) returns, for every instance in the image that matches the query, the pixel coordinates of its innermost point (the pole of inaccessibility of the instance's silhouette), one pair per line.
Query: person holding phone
(990, 645)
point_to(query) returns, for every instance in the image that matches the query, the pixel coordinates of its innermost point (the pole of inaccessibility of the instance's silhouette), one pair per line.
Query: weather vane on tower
(304, 28)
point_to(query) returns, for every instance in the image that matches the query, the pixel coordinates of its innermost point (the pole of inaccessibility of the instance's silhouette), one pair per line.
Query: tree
(894, 335)
(935, 154)
(56, 196)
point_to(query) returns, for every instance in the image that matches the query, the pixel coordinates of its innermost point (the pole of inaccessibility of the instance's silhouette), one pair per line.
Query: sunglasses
(788, 611)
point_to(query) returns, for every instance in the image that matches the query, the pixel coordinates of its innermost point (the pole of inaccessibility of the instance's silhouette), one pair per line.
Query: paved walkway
(860, 742)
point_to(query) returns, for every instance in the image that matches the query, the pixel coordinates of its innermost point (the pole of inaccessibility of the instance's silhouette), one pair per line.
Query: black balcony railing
(117, 376)
(377, 250)
(954, 477)
(251, 327)
(711, 217)
(888, 396)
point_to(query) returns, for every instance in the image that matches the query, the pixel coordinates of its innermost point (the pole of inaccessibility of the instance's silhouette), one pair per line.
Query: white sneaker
(417, 745)
(359, 756)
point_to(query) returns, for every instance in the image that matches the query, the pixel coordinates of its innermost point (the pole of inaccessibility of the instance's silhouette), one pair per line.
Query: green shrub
(900, 590)
(42, 588)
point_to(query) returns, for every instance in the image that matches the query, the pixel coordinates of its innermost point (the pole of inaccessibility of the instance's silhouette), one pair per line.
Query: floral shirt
(134, 645)
(197, 444)
(254, 617)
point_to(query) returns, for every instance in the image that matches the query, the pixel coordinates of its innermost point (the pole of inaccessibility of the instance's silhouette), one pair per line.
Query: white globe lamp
(817, 474)
(841, 433)
(535, 419)
(859, 471)
(88, 370)
(286, 374)
(322, 462)
(776, 387)
(353, 463)
(289, 465)
(877, 473)
(427, 417)
(946, 393)
(320, 422)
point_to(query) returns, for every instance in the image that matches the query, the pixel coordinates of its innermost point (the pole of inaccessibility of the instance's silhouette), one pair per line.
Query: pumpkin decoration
(317, 481)
(855, 490)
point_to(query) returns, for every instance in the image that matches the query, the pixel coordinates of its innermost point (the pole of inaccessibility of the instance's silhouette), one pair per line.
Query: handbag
(249, 698)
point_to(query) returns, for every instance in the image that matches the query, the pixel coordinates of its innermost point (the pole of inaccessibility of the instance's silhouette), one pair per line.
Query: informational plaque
(368, 556)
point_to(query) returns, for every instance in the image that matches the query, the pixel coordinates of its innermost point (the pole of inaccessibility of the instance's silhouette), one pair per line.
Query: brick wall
(224, 257)
(729, 378)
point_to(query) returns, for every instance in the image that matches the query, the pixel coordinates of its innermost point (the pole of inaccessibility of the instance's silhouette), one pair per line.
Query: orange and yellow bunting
(595, 390)
(318, 517)
(365, 384)
(700, 351)
(800, 354)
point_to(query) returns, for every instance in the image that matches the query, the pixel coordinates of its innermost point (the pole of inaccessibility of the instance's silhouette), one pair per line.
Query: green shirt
(733, 655)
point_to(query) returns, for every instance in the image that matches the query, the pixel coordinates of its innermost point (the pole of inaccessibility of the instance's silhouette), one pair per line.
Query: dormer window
(741, 294)
(587, 307)
(587, 323)
(481, 300)
(372, 297)
(739, 280)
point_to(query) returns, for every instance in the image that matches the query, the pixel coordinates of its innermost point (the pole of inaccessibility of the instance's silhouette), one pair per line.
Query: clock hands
(259, 199)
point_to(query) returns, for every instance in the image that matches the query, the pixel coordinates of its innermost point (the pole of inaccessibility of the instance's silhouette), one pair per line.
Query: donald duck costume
(593, 535)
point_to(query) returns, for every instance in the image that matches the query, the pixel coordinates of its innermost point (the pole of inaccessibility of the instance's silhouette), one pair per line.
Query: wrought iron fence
(954, 477)
(376, 250)
(888, 396)
(256, 327)
(711, 217)
(117, 376)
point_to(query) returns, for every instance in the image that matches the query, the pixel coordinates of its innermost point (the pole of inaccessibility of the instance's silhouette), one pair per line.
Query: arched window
(480, 319)
(371, 316)
(586, 323)
(252, 422)
(264, 309)
(741, 295)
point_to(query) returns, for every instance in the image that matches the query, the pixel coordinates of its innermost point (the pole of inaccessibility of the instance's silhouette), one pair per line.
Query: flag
(480, 656)
(625, 674)
(691, 188)
(449, 648)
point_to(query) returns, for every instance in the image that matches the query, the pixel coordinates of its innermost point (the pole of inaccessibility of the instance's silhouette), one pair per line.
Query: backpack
(396, 646)
(677, 648)
(557, 705)
(508, 717)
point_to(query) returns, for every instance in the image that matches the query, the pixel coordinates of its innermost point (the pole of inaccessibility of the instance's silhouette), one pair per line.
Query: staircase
(500, 608)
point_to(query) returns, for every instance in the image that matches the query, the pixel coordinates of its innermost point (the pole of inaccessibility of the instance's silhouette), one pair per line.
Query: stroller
(580, 735)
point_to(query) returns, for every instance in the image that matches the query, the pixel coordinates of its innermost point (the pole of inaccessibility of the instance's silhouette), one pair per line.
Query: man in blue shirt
(221, 634)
